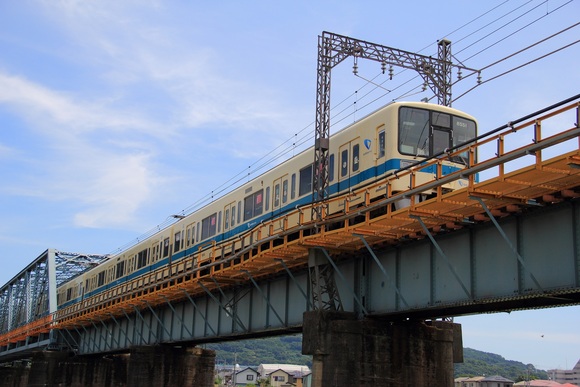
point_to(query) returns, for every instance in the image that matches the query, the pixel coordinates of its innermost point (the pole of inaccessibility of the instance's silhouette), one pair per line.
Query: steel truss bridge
(508, 240)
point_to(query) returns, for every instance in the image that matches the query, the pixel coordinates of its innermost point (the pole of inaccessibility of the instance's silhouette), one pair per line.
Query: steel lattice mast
(332, 50)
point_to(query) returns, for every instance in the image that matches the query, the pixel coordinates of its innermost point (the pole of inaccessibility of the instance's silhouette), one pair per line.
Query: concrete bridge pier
(143, 367)
(349, 352)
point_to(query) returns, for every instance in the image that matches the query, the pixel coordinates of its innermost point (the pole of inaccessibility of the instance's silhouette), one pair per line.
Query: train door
(381, 151)
(229, 218)
(349, 167)
(277, 196)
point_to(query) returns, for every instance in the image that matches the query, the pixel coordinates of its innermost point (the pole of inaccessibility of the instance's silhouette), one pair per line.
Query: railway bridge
(372, 288)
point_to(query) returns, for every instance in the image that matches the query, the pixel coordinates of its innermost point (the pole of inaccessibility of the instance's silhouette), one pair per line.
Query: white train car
(393, 137)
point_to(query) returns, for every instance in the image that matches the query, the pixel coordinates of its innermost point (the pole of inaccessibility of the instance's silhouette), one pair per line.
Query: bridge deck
(279, 241)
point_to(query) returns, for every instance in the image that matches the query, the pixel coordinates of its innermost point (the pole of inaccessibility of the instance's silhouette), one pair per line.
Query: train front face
(427, 130)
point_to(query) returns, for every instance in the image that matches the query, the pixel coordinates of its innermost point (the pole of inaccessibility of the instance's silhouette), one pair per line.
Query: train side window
(142, 258)
(219, 222)
(101, 279)
(187, 240)
(331, 167)
(165, 247)
(267, 205)
(239, 212)
(192, 234)
(355, 157)
(227, 219)
(381, 144)
(120, 269)
(209, 226)
(254, 205)
(177, 242)
(293, 187)
(233, 216)
(285, 191)
(197, 238)
(344, 163)
(305, 180)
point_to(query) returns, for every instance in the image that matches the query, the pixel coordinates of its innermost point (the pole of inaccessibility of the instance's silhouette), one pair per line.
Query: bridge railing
(290, 235)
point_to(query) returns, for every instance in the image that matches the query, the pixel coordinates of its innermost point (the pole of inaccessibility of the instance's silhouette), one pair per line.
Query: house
(284, 375)
(484, 381)
(279, 378)
(246, 376)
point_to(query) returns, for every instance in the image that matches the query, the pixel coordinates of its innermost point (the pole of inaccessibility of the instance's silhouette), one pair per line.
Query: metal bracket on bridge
(207, 324)
(177, 315)
(263, 296)
(146, 323)
(224, 307)
(121, 329)
(158, 320)
(308, 303)
(397, 290)
(358, 301)
(440, 251)
(505, 237)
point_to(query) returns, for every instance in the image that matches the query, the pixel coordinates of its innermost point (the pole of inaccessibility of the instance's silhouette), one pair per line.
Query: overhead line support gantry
(332, 50)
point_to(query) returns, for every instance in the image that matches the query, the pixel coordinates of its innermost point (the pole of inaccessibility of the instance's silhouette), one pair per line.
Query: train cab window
(284, 191)
(254, 205)
(344, 163)
(227, 219)
(381, 144)
(165, 247)
(267, 204)
(305, 180)
(414, 131)
(355, 157)
(293, 187)
(177, 242)
(463, 131)
(331, 167)
(209, 226)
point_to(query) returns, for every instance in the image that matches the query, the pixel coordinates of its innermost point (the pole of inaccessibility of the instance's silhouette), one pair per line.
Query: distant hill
(288, 350)
(483, 363)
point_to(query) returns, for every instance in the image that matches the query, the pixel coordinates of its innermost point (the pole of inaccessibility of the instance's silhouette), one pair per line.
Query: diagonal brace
(397, 290)
(358, 301)
(505, 237)
(263, 296)
(440, 251)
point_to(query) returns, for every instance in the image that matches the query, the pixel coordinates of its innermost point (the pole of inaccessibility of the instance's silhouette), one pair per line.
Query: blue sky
(116, 114)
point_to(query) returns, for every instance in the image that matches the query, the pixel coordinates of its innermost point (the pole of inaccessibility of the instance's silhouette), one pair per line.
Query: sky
(114, 115)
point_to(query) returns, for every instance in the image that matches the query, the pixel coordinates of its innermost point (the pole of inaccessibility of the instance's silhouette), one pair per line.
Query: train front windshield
(426, 133)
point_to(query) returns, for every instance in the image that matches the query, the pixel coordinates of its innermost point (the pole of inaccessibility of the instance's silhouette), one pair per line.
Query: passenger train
(391, 138)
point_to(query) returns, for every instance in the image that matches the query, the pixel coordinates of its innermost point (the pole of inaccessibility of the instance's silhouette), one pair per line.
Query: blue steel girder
(421, 285)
